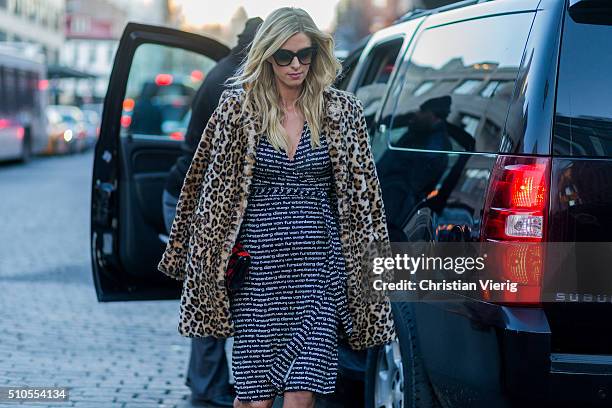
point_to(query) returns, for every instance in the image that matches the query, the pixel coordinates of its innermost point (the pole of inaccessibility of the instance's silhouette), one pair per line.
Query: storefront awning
(62, 71)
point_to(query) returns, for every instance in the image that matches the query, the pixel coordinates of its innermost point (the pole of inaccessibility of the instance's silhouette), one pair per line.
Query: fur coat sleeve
(175, 255)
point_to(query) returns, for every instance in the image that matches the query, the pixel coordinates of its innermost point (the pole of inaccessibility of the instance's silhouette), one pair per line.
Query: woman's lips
(295, 76)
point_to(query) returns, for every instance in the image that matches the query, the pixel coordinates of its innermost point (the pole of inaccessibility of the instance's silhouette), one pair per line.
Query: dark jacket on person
(203, 105)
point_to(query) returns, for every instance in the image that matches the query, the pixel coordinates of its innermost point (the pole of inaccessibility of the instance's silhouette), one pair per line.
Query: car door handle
(382, 128)
(101, 213)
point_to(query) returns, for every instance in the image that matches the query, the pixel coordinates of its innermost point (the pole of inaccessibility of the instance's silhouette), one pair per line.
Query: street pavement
(53, 331)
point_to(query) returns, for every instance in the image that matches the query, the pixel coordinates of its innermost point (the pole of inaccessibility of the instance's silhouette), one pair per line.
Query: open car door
(156, 72)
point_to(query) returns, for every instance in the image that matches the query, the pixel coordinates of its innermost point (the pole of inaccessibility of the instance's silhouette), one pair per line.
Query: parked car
(91, 120)
(60, 135)
(455, 98)
(160, 105)
(92, 106)
(67, 130)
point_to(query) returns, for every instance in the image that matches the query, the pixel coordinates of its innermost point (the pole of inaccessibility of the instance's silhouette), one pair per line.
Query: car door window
(348, 69)
(583, 119)
(375, 75)
(160, 88)
(455, 97)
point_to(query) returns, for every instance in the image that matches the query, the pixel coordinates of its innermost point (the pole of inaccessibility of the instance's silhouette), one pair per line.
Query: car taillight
(515, 207)
(126, 120)
(163, 79)
(177, 136)
(516, 214)
(128, 104)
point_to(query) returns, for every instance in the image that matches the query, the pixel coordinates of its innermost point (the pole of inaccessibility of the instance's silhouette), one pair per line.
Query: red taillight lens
(517, 199)
(522, 263)
(197, 75)
(163, 79)
(516, 211)
(126, 121)
(177, 136)
(128, 104)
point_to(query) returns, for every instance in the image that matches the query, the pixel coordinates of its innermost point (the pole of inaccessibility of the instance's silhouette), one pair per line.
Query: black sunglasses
(285, 57)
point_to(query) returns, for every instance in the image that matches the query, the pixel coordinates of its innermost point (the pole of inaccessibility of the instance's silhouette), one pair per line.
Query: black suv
(458, 100)
(484, 98)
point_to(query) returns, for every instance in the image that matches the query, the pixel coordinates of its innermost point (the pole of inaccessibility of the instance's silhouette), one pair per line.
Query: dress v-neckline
(298, 144)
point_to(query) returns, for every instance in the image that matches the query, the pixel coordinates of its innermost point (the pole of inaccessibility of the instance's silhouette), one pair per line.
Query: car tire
(26, 149)
(395, 373)
(72, 147)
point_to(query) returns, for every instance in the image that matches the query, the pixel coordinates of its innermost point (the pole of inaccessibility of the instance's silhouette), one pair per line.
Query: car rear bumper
(480, 354)
(581, 378)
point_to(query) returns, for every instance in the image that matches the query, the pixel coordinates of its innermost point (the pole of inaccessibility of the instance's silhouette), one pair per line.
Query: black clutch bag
(237, 267)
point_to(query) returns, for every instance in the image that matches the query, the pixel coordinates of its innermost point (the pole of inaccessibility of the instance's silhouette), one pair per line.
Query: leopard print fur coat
(214, 197)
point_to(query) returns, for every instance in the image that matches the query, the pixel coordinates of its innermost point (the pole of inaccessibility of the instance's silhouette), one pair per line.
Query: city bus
(23, 97)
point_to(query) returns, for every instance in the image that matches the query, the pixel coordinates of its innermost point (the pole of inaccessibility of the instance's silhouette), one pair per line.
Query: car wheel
(26, 149)
(395, 373)
(72, 147)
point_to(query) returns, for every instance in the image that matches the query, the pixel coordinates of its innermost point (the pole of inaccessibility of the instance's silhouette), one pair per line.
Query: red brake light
(128, 104)
(163, 79)
(529, 186)
(197, 75)
(177, 135)
(517, 199)
(516, 211)
(126, 121)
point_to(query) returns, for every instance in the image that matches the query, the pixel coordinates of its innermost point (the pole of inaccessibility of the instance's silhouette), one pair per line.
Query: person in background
(208, 374)
(147, 117)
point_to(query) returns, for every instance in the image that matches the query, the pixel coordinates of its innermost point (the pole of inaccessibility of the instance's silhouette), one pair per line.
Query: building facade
(92, 30)
(39, 22)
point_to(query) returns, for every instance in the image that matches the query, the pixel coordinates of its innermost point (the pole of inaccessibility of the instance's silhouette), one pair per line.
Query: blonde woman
(283, 167)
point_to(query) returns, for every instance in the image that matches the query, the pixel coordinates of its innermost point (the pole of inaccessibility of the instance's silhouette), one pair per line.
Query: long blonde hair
(256, 76)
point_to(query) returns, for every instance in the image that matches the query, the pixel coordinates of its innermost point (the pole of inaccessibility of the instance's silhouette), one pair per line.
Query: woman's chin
(293, 83)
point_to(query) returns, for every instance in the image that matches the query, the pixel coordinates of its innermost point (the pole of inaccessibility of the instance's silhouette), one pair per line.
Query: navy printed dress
(288, 312)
